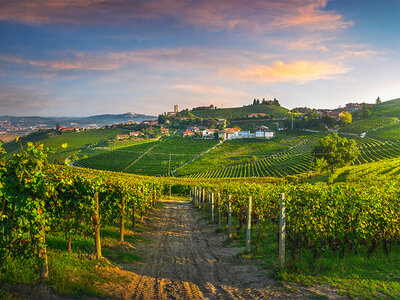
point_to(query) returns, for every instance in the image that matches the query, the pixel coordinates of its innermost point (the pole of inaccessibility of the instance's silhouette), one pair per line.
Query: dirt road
(186, 260)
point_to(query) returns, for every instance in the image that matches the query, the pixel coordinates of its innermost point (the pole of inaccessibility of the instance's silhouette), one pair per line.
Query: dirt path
(186, 260)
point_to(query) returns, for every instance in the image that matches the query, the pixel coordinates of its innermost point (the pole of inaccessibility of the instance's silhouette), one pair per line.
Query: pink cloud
(298, 71)
(214, 15)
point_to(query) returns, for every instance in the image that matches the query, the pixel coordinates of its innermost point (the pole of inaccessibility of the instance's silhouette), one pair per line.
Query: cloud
(298, 71)
(259, 15)
(237, 66)
(23, 100)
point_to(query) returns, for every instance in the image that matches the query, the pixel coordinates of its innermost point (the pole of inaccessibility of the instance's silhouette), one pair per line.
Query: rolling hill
(241, 112)
(389, 108)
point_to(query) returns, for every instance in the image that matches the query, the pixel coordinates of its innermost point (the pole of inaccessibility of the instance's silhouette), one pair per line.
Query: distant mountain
(32, 123)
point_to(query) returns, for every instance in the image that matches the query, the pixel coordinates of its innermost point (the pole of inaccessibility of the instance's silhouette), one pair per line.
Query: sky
(88, 57)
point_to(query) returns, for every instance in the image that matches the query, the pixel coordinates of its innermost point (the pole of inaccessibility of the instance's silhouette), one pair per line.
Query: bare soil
(182, 257)
(186, 259)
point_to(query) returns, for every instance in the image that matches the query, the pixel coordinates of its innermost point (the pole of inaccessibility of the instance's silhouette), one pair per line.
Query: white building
(209, 133)
(264, 132)
(229, 133)
(234, 133)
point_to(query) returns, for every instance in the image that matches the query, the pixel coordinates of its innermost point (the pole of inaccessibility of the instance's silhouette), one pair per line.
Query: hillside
(241, 112)
(76, 141)
(371, 173)
(154, 158)
(389, 108)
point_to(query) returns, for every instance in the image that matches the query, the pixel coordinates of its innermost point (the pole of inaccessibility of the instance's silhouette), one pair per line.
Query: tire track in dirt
(186, 260)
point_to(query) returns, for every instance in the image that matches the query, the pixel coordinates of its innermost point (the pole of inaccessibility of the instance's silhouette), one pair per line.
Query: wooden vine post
(248, 232)
(219, 209)
(97, 227)
(44, 271)
(282, 230)
(144, 201)
(229, 207)
(133, 215)
(122, 225)
(212, 207)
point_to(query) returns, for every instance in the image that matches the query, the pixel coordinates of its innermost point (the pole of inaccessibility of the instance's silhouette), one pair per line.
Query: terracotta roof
(230, 130)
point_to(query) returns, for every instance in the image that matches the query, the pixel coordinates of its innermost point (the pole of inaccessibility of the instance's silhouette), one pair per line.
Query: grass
(387, 109)
(75, 274)
(172, 151)
(366, 125)
(76, 141)
(391, 132)
(355, 276)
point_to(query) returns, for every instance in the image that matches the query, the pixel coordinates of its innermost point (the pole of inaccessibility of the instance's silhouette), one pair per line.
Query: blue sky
(79, 58)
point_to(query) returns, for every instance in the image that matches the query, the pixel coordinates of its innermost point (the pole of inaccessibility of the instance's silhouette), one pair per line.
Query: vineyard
(391, 132)
(372, 150)
(241, 112)
(387, 109)
(153, 158)
(76, 141)
(37, 199)
(359, 127)
(294, 159)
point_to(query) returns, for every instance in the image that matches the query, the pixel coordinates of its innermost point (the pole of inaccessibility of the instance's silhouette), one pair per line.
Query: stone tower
(175, 108)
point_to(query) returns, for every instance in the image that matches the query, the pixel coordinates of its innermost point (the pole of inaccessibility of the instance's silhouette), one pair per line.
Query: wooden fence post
(133, 215)
(97, 227)
(44, 268)
(282, 230)
(203, 196)
(248, 233)
(230, 216)
(122, 224)
(212, 207)
(219, 209)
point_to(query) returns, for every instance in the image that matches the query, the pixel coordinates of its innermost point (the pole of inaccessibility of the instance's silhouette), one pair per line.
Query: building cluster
(230, 133)
(350, 107)
(21, 126)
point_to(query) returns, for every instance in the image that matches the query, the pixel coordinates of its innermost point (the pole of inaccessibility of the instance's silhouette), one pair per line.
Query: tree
(57, 126)
(378, 100)
(276, 102)
(345, 118)
(328, 120)
(254, 102)
(336, 151)
(366, 113)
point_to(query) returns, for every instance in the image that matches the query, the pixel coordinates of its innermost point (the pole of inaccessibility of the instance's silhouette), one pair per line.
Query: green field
(371, 173)
(391, 132)
(359, 127)
(389, 108)
(233, 153)
(241, 112)
(76, 141)
(294, 157)
(176, 149)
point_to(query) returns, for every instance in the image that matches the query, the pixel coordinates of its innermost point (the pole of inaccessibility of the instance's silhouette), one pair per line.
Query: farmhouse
(165, 131)
(135, 134)
(264, 132)
(188, 133)
(69, 129)
(229, 133)
(194, 129)
(209, 133)
(235, 133)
